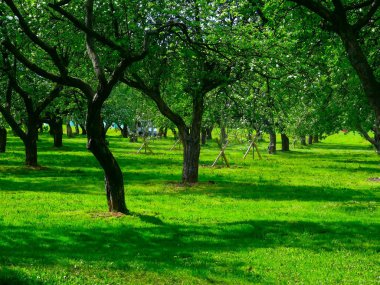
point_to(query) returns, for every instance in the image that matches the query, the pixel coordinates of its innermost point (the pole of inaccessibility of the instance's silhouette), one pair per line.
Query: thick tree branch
(367, 17)
(356, 6)
(154, 94)
(50, 98)
(82, 26)
(35, 39)
(11, 121)
(67, 80)
(365, 134)
(92, 54)
(316, 7)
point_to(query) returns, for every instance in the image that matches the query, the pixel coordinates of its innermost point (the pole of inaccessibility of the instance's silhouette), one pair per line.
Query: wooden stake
(222, 154)
(174, 145)
(145, 146)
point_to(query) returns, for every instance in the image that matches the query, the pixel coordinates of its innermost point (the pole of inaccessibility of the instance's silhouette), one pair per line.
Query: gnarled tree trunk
(113, 177)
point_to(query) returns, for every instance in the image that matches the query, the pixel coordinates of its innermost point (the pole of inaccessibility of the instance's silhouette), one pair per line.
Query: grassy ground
(310, 216)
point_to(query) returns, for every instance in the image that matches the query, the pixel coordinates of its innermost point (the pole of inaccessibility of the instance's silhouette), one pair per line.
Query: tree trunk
(209, 133)
(310, 140)
(272, 142)
(303, 140)
(3, 139)
(84, 131)
(69, 130)
(360, 63)
(223, 135)
(58, 134)
(56, 130)
(30, 143)
(76, 128)
(113, 177)
(284, 142)
(174, 131)
(124, 131)
(315, 139)
(191, 152)
(204, 136)
(106, 128)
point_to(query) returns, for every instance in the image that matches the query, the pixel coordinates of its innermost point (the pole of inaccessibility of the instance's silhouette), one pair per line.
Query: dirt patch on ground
(374, 179)
(107, 215)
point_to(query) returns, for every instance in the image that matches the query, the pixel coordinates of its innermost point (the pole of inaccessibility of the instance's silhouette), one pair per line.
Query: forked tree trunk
(310, 140)
(284, 142)
(113, 177)
(3, 139)
(272, 142)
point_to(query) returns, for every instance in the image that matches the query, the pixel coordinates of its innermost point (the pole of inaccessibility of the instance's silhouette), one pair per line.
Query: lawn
(310, 216)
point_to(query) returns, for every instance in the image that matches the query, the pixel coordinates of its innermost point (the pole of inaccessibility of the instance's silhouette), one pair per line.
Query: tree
(32, 108)
(355, 23)
(96, 90)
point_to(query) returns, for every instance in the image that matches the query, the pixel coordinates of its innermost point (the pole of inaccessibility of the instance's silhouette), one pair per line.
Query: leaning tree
(108, 57)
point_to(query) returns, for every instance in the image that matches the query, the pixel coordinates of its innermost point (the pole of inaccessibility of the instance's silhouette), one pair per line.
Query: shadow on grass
(13, 277)
(158, 246)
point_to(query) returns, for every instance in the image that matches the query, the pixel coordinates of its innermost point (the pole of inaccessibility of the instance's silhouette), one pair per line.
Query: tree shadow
(158, 246)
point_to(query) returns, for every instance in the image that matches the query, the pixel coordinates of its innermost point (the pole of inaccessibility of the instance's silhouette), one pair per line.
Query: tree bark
(315, 139)
(30, 143)
(191, 153)
(3, 139)
(310, 139)
(364, 71)
(284, 142)
(272, 142)
(113, 177)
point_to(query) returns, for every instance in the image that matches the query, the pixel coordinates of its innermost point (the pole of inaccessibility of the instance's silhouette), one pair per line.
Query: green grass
(310, 216)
